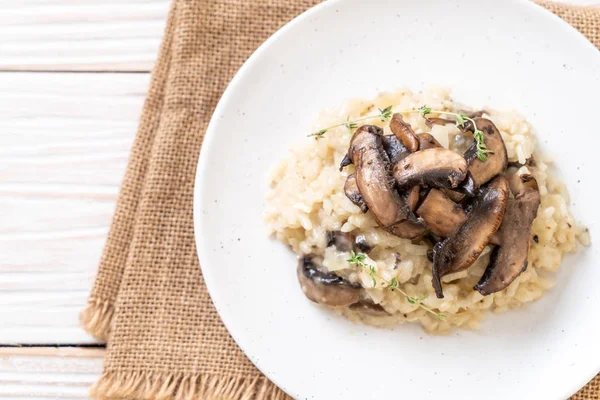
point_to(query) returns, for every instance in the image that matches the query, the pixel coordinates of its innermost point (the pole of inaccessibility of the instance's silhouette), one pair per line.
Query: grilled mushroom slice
(404, 133)
(427, 141)
(469, 186)
(412, 197)
(509, 259)
(497, 161)
(362, 244)
(430, 121)
(474, 114)
(395, 150)
(352, 192)
(438, 167)
(459, 251)
(369, 308)
(455, 196)
(441, 215)
(372, 177)
(343, 241)
(326, 288)
(407, 229)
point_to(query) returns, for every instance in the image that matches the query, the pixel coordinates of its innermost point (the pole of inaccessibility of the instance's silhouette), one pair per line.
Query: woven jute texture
(165, 340)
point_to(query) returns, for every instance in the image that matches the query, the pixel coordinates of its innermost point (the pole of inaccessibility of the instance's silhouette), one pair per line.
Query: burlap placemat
(165, 340)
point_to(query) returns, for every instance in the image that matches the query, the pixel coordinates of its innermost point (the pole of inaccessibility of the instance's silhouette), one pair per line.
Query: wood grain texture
(80, 35)
(48, 373)
(64, 142)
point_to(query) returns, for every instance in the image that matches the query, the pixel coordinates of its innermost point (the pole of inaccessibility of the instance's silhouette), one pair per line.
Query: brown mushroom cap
(442, 216)
(407, 229)
(437, 167)
(468, 186)
(404, 132)
(413, 197)
(343, 241)
(369, 308)
(372, 177)
(351, 191)
(497, 161)
(427, 141)
(430, 121)
(362, 244)
(326, 288)
(473, 114)
(453, 195)
(509, 259)
(460, 251)
(395, 150)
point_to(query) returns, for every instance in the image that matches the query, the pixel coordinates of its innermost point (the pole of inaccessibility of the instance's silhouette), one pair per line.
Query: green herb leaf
(393, 284)
(425, 110)
(356, 258)
(385, 113)
(482, 149)
(350, 125)
(478, 134)
(482, 157)
(460, 119)
(416, 300)
(318, 134)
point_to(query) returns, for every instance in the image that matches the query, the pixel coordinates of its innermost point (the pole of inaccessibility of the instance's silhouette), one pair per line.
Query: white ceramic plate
(503, 54)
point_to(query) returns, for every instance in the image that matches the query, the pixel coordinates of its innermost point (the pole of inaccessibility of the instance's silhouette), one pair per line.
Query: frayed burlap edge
(96, 318)
(152, 385)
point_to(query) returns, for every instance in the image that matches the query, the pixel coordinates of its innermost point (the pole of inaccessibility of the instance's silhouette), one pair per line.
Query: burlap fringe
(153, 385)
(96, 318)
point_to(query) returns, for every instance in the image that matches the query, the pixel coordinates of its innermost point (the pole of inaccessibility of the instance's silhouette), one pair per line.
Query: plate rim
(211, 133)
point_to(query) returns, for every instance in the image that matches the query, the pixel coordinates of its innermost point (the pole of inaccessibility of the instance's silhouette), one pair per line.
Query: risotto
(308, 209)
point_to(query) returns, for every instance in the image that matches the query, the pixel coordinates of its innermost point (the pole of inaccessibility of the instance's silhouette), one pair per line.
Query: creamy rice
(306, 200)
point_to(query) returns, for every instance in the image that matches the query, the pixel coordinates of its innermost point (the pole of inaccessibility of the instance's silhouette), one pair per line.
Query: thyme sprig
(358, 259)
(461, 120)
(386, 113)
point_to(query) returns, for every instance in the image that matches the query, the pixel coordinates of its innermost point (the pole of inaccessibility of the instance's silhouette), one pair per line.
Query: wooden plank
(64, 142)
(43, 373)
(75, 35)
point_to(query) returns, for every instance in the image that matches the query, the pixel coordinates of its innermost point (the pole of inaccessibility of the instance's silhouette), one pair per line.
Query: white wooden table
(73, 75)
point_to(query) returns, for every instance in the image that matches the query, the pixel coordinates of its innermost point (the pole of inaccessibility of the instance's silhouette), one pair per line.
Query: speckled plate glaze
(503, 54)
